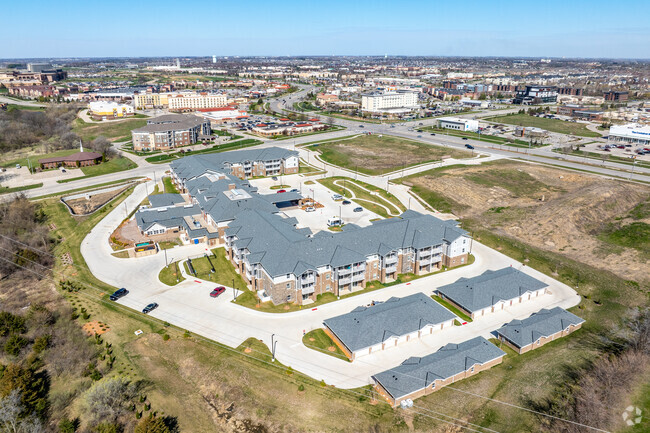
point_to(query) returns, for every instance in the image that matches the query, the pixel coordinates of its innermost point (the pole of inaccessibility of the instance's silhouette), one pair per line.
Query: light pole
(272, 348)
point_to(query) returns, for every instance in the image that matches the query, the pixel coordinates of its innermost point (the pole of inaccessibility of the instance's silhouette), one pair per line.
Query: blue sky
(569, 28)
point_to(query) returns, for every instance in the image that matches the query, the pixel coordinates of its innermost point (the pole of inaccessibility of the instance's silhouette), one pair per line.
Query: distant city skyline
(504, 28)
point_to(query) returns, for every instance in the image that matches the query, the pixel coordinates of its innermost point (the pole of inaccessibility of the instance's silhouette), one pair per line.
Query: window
(472, 369)
(288, 285)
(328, 288)
(327, 277)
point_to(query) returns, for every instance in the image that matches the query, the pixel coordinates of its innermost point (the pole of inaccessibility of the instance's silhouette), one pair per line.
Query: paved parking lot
(627, 152)
(316, 220)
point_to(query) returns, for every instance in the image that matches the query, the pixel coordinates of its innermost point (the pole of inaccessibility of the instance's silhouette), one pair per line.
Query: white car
(310, 209)
(336, 197)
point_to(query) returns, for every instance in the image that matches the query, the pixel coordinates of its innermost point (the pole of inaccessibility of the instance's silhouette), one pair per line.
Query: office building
(630, 134)
(536, 95)
(458, 124)
(376, 102)
(616, 96)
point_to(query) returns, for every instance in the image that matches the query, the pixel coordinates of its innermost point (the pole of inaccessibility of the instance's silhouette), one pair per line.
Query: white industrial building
(389, 100)
(458, 124)
(631, 133)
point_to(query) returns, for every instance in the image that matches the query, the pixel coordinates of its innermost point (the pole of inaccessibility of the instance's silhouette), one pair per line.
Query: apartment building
(339, 263)
(170, 131)
(616, 96)
(284, 263)
(196, 101)
(272, 161)
(381, 101)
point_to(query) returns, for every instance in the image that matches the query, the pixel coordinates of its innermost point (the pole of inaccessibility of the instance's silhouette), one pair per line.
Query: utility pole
(272, 348)
(165, 250)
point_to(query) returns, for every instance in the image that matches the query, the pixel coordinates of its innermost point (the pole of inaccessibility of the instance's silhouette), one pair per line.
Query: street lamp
(272, 348)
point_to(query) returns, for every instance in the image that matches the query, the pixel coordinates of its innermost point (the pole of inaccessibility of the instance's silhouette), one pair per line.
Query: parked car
(361, 126)
(433, 133)
(118, 294)
(294, 190)
(217, 291)
(469, 146)
(280, 190)
(464, 138)
(346, 202)
(358, 209)
(337, 197)
(274, 178)
(149, 308)
(310, 209)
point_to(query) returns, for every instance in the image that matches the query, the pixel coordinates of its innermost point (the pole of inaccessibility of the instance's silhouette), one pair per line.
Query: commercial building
(149, 100)
(631, 133)
(530, 131)
(536, 95)
(458, 124)
(538, 329)
(417, 376)
(102, 110)
(218, 116)
(326, 98)
(38, 67)
(580, 112)
(492, 291)
(616, 96)
(196, 101)
(170, 131)
(377, 102)
(35, 91)
(388, 324)
(286, 128)
(81, 159)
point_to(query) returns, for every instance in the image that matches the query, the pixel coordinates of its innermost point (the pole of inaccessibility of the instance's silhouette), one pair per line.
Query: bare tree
(11, 419)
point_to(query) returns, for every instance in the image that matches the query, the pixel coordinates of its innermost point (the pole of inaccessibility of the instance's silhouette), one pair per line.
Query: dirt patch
(248, 350)
(548, 208)
(91, 202)
(95, 327)
(331, 349)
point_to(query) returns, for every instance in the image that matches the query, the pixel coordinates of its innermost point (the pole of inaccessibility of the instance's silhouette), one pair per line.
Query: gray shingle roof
(162, 200)
(367, 326)
(490, 287)
(171, 122)
(541, 324)
(416, 373)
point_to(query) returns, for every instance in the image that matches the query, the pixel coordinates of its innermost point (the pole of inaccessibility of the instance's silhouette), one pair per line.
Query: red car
(280, 190)
(217, 291)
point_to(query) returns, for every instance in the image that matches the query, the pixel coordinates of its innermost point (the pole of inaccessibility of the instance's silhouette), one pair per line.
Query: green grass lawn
(375, 154)
(239, 144)
(224, 270)
(451, 308)
(171, 274)
(33, 158)
(85, 188)
(165, 245)
(477, 136)
(7, 190)
(367, 200)
(634, 235)
(554, 125)
(113, 165)
(170, 188)
(318, 340)
(119, 130)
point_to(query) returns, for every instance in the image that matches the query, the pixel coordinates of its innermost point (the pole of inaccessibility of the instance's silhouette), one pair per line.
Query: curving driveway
(188, 305)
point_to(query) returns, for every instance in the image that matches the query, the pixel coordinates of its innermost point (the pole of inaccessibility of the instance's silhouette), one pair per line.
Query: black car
(469, 146)
(464, 138)
(358, 209)
(149, 308)
(346, 202)
(361, 126)
(118, 294)
(433, 133)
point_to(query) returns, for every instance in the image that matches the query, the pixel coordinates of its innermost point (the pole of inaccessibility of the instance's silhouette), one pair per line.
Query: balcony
(343, 271)
(359, 268)
(343, 281)
(308, 280)
(391, 269)
(390, 259)
(358, 277)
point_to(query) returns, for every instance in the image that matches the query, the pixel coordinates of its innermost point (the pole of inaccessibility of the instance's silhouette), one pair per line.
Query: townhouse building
(170, 131)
